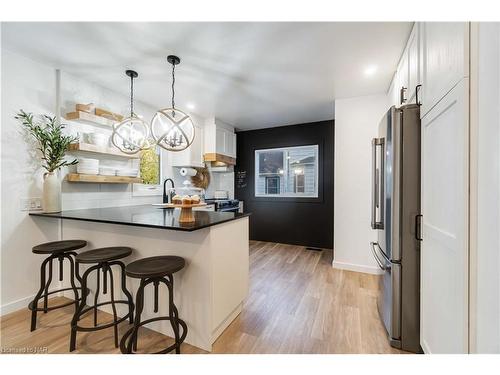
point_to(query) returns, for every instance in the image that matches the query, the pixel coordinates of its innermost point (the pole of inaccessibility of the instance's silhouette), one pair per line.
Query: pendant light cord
(173, 86)
(131, 96)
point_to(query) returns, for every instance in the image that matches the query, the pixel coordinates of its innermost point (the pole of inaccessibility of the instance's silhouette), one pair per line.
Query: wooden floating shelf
(219, 158)
(87, 147)
(89, 118)
(99, 179)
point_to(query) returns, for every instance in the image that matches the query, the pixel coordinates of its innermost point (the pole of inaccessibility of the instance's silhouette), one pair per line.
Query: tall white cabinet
(444, 249)
(434, 68)
(445, 188)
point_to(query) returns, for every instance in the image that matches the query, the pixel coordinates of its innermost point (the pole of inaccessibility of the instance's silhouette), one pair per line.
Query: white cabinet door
(231, 144)
(444, 250)
(403, 75)
(193, 155)
(220, 140)
(413, 64)
(197, 148)
(445, 60)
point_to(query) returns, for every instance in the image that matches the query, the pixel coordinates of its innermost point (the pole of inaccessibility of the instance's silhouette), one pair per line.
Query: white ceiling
(251, 75)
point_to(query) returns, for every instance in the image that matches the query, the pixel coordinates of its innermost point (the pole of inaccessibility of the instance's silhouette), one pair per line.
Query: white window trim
(146, 190)
(286, 195)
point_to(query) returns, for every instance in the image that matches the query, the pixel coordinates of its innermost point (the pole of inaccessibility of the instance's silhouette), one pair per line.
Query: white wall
(356, 123)
(487, 253)
(31, 86)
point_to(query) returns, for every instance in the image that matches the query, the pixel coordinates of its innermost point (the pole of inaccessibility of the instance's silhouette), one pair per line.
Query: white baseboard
(15, 305)
(23, 303)
(357, 268)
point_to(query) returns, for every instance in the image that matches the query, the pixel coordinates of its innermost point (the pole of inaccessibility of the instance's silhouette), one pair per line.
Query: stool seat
(58, 246)
(104, 254)
(155, 266)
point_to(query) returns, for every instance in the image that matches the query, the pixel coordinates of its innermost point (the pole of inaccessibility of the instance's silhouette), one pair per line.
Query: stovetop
(223, 202)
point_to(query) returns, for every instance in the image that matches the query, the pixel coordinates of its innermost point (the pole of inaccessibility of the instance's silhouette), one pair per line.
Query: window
(272, 185)
(287, 172)
(299, 183)
(150, 168)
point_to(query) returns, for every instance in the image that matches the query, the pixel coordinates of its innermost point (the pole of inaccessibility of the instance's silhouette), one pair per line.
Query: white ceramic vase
(51, 192)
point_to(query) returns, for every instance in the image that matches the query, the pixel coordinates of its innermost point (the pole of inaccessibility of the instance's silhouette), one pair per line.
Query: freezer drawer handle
(374, 252)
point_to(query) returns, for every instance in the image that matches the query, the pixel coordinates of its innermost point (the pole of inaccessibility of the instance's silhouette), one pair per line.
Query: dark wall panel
(299, 221)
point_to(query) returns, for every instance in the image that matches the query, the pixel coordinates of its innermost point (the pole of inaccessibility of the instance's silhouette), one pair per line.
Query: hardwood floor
(297, 304)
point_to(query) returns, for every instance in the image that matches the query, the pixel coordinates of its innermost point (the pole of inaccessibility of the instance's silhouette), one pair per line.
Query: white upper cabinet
(403, 76)
(413, 57)
(408, 74)
(219, 138)
(445, 48)
(193, 155)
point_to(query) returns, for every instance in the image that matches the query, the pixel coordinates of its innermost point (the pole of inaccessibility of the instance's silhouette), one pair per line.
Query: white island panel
(208, 292)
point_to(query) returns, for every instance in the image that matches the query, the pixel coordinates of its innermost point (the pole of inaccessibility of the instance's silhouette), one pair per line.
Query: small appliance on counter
(224, 205)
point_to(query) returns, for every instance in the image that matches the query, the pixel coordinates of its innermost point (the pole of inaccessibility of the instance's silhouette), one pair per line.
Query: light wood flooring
(297, 304)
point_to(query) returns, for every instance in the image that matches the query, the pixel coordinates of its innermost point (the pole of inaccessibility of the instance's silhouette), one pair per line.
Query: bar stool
(58, 250)
(103, 259)
(155, 270)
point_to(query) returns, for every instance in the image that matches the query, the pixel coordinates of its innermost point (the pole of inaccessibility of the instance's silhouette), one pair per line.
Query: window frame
(147, 190)
(289, 195)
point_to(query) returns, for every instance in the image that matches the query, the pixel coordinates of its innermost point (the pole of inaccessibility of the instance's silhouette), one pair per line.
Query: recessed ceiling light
(190, 106)
(370, 70)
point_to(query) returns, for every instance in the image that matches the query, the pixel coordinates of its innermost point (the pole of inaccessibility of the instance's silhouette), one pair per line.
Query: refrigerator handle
(377, 184)
(417, 89)
(374, 183)
(377, 259)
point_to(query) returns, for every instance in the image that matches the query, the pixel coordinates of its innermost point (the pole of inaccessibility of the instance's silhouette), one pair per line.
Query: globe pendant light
(171, 128)
(131, 134)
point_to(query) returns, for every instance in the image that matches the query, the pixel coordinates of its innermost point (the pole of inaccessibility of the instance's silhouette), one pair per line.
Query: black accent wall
(298, 221)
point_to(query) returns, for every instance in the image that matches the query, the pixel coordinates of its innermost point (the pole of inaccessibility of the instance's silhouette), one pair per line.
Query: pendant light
(130, 135)
(171, 128)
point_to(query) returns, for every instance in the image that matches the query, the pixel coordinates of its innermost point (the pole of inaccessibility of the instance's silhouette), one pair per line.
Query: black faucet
(167, 198)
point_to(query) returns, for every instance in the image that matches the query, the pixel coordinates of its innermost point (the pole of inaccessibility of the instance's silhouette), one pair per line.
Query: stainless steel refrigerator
(396, 218)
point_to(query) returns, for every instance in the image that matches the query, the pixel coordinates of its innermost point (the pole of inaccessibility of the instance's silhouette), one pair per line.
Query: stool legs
(96, 296)
(46, 291)
(43, 286)
(172, 312)
(83, 302)
(128, 343)
(107, 269)
(139, 306)
(125, 290)
(83, 308)
(45, 282)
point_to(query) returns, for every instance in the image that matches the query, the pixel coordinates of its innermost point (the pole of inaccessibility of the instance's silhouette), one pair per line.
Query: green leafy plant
(52, 143)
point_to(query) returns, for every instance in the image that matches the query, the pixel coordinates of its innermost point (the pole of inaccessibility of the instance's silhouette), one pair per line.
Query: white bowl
(87, 171)
(98, 139)
(107, 171)
(127, 172)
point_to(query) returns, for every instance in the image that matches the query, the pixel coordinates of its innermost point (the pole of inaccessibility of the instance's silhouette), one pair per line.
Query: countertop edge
(179, 229)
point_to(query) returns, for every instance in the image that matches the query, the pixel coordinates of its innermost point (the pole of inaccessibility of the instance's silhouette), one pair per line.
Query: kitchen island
(209, 291)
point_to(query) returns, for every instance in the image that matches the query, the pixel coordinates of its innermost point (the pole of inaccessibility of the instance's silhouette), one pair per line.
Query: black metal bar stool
(103, 258)
(155, 270)
(58, 250)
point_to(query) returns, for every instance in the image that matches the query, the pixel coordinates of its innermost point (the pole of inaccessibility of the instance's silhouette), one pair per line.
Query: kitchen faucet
(168, 198)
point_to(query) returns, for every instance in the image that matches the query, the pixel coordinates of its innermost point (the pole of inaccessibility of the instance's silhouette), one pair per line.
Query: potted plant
(52, 144)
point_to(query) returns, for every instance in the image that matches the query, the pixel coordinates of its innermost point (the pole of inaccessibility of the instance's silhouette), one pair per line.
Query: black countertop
(146, 216)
